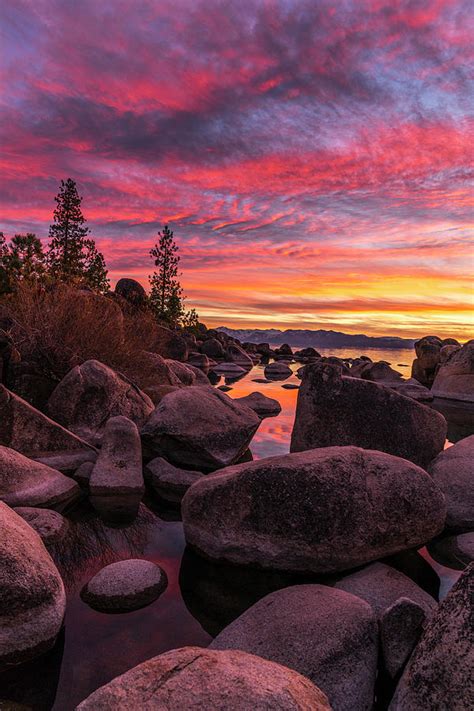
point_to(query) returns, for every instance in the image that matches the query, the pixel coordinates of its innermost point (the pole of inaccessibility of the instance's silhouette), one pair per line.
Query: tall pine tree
(165, 294)
(72, 256)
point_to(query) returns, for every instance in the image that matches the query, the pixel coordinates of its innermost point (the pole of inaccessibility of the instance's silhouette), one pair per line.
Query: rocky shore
(335, 625)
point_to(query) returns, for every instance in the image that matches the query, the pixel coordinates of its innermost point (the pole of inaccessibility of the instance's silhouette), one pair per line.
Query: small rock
(169, 482)
(125, 586)
(277, 371)
(116, 482)
(24, 482)
(290, 386)
(229, 369)
(262, 405)
(225, 388)
(50, 525)
(261, 380)
(400, 628)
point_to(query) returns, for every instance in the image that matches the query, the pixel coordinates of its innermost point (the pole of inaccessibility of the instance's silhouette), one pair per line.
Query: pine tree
(165, 295)
(21, 260)
(72, 256)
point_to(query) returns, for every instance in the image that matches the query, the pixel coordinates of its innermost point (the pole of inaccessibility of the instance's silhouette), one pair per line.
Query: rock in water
(200, 427)
(29, 431)
(277, 371)
(116, 482)
(192, 678)
(32, 594)
(92, 393)
(453, 551)
(319, 511)
(124, 586)
(439, 672)
(24, 482)
(327, 635)
(455, 378)
(262, 405)
(169, 482)
(336, 410)
(453, 472)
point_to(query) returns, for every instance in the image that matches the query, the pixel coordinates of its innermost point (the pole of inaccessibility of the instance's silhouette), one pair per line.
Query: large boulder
(321, 511)
(336, 410)
(379, 372)
(92, 393)
(32, 594)
(453, 472)
(439, 672)
(200, 427)
(411, 388)
(151, 370)
(236, 354)
(24, 482)
(125, 586)
(29, 431)
(277, 371)
(261, 404)
(192, 678)
(455, 378)
(116, 482)
(182, 371)
(327, 635)
(424, 366)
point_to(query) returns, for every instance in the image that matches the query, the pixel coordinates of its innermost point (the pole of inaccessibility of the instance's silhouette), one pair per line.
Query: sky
(313, 158)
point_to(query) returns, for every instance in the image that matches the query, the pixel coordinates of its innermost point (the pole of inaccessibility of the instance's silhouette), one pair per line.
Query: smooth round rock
(124, 586)
(277, 371)
(195, 679)
(51, 526)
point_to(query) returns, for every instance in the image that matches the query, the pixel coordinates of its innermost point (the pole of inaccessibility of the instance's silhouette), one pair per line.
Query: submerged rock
(169, 482)
(323, 510)
(125, 586)
(92, 393)
(453, 472)
(192, 678)
(439, 672)
(29, 431)
(32, 592)
(24, 482)
(50, 525)
(116, 482)
(200, 427)
(327, 635)
(262, 405)
(455, 378)
(336, 410)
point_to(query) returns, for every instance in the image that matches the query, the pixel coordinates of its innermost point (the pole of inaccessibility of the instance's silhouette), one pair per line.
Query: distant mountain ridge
(319, 338)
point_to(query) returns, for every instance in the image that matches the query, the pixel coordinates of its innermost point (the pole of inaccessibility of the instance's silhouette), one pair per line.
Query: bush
(60, 328)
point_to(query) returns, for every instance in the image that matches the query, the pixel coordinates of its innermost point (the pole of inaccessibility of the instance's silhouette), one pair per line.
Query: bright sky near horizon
(314, 158)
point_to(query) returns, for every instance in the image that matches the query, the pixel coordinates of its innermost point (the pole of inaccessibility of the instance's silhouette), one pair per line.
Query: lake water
(201, 597)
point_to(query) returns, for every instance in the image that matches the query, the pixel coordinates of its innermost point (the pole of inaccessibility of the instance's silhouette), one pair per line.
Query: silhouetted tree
(21, 260)
(72, 256)
(166, 295)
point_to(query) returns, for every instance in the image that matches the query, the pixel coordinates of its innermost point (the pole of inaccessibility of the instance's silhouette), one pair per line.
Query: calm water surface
(201, 597)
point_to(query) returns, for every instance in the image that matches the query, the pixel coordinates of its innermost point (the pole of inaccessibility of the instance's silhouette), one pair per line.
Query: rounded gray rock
(321, 511)
(125, 586)
(453, 472)
(325, 634)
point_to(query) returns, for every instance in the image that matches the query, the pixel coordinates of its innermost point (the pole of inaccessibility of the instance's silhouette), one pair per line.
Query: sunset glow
(314, 159)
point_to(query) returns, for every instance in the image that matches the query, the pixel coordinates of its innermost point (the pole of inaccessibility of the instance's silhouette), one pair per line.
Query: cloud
(297, 142)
